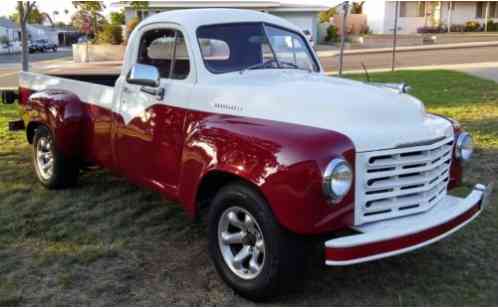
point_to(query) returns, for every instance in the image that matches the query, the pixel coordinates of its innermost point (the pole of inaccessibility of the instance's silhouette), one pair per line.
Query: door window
(166, 50)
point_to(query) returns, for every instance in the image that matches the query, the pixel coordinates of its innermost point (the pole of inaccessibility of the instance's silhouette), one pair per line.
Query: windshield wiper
(266, 63)
(259, 65)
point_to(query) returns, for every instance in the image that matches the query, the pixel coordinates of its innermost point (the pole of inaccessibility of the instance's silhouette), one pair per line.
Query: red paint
(171, 149)
(368, 250)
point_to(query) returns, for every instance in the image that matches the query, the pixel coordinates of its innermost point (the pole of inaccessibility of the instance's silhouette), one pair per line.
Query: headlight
(464, 146)
(337, 179)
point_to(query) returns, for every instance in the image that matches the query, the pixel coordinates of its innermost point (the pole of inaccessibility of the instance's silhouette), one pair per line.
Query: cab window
(166, 50)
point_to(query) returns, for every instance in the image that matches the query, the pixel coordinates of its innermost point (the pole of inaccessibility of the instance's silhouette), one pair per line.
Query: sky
(7, 7)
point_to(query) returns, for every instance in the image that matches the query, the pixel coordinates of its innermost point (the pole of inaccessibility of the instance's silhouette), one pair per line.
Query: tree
(118, 18)
(92, 9)
(35, 16)
(327, 15)
(139, 7)
(24, 9)
(357, 7)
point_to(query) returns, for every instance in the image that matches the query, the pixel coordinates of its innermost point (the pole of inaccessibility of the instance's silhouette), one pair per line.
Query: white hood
(373, 118)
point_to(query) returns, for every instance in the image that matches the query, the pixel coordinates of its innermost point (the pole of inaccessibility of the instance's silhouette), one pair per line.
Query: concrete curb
(452, 67)
(334, 53)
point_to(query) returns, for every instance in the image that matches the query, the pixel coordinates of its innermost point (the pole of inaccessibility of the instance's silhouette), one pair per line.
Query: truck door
(150, 132)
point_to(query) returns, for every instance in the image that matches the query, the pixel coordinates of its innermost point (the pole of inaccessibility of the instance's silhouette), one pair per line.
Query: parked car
(230, 110)
(42, 46)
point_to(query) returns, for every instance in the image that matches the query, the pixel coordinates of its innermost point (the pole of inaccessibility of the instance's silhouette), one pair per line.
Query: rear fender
(63, 113)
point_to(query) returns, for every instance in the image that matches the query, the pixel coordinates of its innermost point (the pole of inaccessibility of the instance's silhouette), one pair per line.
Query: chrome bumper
(396, 236)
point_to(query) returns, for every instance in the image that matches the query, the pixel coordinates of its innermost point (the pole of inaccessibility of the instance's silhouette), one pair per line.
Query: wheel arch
(213, 181)
(31, 129)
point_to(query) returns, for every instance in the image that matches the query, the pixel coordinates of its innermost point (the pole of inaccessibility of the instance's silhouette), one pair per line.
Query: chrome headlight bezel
(337, 180)
(464, 147)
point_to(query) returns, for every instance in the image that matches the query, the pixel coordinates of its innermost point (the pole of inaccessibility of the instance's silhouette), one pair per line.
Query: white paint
(373, 118)
(90, 93)
(447, 210)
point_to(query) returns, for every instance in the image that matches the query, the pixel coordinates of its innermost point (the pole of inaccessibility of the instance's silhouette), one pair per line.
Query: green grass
(106, 242)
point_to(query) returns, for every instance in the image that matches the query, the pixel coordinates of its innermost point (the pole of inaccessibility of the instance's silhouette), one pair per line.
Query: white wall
(376, 14)
(42, 34)
(381, 16)
(12, 34)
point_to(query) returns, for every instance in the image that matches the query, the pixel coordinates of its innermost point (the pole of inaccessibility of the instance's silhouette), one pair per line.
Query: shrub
(4, 40)
(332, 35)
(112, 34)
(457, 28)
(492, 26)
(472, 26)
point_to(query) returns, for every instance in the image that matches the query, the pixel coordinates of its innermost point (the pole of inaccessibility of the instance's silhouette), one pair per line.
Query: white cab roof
(194, 18)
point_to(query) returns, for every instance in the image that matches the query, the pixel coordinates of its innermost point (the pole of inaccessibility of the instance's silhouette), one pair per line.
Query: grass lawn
(106, 242)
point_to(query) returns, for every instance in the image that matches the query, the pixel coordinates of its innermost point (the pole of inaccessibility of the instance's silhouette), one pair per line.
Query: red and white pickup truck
(231, 110)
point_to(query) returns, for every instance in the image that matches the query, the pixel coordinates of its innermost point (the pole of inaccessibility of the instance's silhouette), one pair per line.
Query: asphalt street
(476, 60)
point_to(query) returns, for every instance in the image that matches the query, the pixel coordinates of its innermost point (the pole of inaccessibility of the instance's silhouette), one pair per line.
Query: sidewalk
(333, 52)
(487, 70)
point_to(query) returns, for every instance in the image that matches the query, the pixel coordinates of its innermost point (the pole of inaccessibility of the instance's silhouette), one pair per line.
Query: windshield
(229, 48)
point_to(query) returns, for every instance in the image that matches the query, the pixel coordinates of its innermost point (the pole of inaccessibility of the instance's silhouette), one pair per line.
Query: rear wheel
(251, 252)
(53, 170)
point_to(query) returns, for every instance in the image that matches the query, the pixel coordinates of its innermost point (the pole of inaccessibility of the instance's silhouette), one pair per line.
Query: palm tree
(24, 8)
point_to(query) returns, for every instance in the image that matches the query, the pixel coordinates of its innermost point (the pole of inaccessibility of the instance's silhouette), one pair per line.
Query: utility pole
(395, 38)
(345, 9)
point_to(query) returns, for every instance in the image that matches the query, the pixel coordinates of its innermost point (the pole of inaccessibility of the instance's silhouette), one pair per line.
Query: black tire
(284, 253)
(64, 173)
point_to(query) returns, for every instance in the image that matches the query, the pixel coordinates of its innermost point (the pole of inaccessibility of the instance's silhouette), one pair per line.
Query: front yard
(109, 243)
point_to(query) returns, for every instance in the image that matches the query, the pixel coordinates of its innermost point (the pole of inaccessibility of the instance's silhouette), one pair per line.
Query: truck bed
(99, 79)
(91, 89)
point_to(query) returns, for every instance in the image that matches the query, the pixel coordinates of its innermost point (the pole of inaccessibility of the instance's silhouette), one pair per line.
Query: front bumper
(396, 236)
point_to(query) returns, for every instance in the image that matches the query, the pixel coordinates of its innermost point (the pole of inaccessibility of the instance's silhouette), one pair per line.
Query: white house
(39, 32)
(10, 30)
(416, 14)
(303, 15)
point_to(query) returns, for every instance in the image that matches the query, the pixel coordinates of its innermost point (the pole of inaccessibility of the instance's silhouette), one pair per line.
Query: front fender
(62, 112)
(285, 161)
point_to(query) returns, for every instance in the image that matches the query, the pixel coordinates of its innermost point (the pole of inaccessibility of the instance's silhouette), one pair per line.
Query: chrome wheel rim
(45, 158)
(241, 243)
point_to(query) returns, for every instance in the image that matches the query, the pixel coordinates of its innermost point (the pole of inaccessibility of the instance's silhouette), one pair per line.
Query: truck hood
(374, 118)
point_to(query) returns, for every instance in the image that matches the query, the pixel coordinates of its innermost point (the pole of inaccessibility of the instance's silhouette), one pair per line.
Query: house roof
(192, 19)
(6, 23)
(275, 5)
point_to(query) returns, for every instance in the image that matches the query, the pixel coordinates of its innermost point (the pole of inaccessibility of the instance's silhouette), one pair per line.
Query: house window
(412, 9)
(493, 10)
(481, 10)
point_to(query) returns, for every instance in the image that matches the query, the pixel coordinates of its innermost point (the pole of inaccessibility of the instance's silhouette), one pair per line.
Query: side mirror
(144, 75)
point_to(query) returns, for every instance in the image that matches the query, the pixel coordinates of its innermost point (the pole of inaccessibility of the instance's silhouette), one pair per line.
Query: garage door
(303, 21)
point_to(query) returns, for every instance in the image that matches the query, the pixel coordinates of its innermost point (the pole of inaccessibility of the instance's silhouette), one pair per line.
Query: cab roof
(191, 19)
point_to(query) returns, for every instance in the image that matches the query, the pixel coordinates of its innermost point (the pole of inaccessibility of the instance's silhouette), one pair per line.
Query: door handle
(126, 90)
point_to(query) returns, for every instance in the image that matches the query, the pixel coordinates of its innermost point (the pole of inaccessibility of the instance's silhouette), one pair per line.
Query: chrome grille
(402, 181)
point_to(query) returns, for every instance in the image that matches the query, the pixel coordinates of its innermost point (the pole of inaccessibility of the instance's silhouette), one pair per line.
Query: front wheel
(251, 252)
(52, 168)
